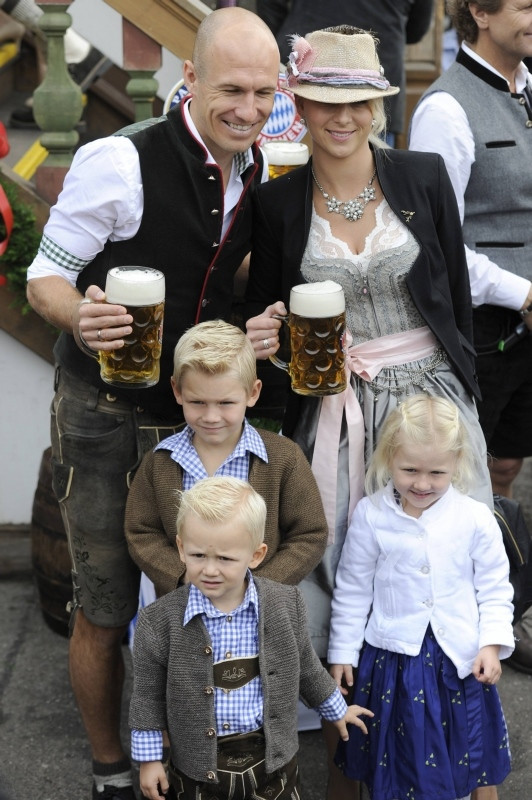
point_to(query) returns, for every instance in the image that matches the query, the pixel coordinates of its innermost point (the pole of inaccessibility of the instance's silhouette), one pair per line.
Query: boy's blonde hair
(221, 499)
(215, 347)
(423, 419)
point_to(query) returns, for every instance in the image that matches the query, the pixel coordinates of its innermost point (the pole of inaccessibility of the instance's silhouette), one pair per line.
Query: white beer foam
(134, 286)
(317, 300)
(287, 154)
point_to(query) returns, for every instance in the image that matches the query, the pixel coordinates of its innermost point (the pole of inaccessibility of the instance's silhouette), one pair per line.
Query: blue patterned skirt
(434, 736)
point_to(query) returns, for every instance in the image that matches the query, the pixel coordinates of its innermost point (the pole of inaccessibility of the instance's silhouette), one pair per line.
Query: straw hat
(337, 65)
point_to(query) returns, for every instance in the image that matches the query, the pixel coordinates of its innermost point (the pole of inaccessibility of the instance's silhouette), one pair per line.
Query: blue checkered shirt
(233, 635)
(235, 465)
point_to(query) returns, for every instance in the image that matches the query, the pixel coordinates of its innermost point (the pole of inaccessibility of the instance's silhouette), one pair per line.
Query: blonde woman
(384, 224)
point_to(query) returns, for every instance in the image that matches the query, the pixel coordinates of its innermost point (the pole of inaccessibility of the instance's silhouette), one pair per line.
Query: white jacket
(448, 569)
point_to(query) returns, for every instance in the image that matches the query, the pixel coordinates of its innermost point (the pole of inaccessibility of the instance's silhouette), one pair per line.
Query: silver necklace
(350, 209)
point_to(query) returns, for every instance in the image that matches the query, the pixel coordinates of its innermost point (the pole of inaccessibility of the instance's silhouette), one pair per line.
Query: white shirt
(398, 574)
(440, 125)
(102, 200)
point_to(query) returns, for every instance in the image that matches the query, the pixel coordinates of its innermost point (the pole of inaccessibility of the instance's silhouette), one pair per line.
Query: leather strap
(233, 673)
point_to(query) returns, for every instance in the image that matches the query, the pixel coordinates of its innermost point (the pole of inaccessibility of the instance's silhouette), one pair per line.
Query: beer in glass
(137, 363)
(317, 337)
(284, 156)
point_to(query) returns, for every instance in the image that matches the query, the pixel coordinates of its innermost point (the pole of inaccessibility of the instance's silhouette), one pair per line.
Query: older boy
(221, 662)
(215, 381)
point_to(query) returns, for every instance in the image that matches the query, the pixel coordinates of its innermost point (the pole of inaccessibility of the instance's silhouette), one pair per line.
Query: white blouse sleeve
(440, 125)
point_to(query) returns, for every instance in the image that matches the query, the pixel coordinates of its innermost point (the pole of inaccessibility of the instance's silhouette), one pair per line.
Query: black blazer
(438, 280)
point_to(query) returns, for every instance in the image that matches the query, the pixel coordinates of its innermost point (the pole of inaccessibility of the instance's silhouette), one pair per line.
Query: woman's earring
(303, 120)
(373, 123)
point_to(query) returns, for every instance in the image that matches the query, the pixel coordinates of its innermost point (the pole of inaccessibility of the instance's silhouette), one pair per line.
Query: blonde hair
(423, 419)
(378, 133)
(215, 347)
(224, 499)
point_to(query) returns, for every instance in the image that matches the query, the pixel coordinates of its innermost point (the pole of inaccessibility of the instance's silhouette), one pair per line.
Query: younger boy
(220, 663)
(215, 381)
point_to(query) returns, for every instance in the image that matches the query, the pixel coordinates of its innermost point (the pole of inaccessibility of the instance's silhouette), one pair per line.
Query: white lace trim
(389, 232)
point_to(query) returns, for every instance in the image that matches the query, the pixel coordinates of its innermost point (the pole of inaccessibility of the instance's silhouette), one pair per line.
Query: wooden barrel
(49, 551)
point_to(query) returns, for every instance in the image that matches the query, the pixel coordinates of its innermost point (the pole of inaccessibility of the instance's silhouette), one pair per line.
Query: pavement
(43, 749)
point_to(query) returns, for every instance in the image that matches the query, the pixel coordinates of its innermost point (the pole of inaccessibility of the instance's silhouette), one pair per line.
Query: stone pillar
(142, 58)
(57, 103)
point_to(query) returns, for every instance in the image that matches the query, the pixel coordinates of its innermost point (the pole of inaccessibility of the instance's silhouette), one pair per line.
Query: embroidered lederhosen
(241, 762)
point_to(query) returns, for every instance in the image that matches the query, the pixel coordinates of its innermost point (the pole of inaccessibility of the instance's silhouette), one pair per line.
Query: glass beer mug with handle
(317, 339)
(136, 364)
(284, 156)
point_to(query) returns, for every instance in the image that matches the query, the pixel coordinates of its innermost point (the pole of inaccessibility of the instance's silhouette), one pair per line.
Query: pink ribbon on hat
(366, 360)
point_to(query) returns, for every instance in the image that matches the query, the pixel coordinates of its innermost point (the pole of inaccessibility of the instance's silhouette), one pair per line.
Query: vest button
(208, 690)
(522, 101)
(111, 398)
(211, 776)
(211, 732)
(208, 650)
(214, 212)
(528, 123)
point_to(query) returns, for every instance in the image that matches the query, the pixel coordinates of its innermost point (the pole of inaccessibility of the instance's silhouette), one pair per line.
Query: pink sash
(366, 360)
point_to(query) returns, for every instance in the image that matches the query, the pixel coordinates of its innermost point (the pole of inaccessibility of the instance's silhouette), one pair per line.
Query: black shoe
(113, 793)
(521, 658)
(22, 118)
(92, 66)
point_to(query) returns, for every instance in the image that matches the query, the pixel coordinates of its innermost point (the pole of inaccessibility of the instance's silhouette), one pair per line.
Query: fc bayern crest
(284, 123)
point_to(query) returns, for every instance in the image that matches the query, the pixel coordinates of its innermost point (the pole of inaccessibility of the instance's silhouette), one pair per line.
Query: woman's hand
(487, 667)
(342, 673)
(99, 325)
(153, 776)
(263, 331)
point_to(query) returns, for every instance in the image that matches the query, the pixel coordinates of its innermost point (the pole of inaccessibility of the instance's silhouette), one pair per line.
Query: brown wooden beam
(172, 23)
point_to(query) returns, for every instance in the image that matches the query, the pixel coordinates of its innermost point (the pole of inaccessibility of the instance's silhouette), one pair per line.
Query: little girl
(423, 598)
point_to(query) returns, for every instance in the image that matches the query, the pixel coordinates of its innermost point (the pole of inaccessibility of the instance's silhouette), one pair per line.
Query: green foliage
(23, 245)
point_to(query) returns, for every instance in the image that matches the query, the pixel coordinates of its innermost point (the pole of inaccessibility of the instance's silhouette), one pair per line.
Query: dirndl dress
(434, 736)
(378, 304)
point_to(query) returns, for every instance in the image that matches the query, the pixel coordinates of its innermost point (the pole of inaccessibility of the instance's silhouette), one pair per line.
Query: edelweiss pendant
(352, 210)
(334, 205)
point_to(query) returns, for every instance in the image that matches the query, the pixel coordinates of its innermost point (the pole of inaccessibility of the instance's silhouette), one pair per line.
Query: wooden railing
(170, 23)
(146, 28)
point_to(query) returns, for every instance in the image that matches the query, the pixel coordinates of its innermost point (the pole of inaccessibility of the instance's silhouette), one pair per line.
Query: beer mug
(317, 336)
(137, 363)
(284, 156)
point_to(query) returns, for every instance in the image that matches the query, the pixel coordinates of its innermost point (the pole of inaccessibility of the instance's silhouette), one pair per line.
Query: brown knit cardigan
(296, 530)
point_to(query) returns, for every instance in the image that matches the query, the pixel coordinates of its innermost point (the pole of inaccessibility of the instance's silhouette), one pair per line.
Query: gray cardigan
(173, 677)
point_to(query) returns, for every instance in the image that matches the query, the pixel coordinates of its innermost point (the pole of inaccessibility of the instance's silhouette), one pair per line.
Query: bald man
(172, 194)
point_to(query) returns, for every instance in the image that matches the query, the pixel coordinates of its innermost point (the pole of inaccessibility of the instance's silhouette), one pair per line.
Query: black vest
(180, 234)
